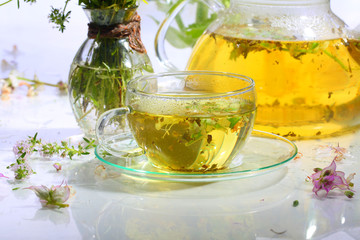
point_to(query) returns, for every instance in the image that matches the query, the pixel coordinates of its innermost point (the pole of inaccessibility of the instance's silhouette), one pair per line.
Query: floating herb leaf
(233, 121)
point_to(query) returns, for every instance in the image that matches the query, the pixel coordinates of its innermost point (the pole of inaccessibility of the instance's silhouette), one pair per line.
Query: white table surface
(121, 207)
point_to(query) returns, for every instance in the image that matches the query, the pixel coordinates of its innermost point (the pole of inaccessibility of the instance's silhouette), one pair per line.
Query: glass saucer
(262, 153)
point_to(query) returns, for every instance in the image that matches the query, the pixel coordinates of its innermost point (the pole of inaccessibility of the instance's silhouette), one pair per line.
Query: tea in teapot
(304, 88)
(305, 68)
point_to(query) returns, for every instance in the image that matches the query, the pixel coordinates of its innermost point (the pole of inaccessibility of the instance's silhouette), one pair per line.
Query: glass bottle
(101, 69)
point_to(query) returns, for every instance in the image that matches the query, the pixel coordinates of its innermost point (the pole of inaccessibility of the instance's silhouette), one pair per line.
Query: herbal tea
(185, 141)
(305, 89)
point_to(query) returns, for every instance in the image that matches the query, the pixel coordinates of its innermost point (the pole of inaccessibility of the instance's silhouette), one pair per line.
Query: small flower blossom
(62, 86)
(53, 196)
(13, 78)
(328, 179)
(57, 166)
(21, 168)
(5, 92)
(22, 147)
(31, 90)
(47, 150)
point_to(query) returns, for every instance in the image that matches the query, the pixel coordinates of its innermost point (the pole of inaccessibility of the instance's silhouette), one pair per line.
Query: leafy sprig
(24, 149)
(61, 16)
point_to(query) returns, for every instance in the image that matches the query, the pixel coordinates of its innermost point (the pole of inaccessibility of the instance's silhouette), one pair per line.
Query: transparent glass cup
(181, 122)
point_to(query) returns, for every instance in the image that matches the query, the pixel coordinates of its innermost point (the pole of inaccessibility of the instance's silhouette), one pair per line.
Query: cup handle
(120, 145)
(215, 5)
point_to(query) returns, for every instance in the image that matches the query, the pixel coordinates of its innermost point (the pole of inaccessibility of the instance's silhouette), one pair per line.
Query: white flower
(13, 77)
(2, 83)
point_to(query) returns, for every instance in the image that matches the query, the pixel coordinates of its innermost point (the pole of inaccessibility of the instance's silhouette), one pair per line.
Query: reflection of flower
(15, 80)
(55, 216)
(339, 152)
(54, 196)
(328, 179)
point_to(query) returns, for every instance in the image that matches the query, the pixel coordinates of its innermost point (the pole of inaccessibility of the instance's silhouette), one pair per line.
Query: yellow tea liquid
(304, 89)
(184, 141)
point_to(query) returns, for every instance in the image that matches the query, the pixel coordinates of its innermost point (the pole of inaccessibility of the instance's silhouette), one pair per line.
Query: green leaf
(178, 39)
(23, 155)
(314, 45)
(201, 12)
(233, 121)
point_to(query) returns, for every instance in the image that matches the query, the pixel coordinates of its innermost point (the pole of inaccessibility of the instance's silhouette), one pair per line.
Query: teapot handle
(164, 26)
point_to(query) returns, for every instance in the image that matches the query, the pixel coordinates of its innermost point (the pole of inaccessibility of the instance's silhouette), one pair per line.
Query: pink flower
(21, 168)
(53, 196)
(328, 179)
(2, 175)
(23, 149)
(57, 166)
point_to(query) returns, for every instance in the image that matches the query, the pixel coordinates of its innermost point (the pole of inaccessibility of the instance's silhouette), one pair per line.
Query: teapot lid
(284, 2)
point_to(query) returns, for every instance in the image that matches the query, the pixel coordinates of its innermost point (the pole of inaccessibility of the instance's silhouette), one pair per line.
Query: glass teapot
(306, 68)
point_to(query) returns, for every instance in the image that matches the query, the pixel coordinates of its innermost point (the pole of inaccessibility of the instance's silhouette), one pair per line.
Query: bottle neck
(106, 17)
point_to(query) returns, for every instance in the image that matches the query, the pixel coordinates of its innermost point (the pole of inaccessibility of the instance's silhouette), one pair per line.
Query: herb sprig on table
(24, 149)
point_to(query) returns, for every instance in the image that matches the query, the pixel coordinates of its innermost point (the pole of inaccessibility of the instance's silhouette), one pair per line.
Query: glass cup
(181, 122)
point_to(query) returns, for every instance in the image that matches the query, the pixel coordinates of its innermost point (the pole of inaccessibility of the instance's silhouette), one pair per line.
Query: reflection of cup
(183, 124)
